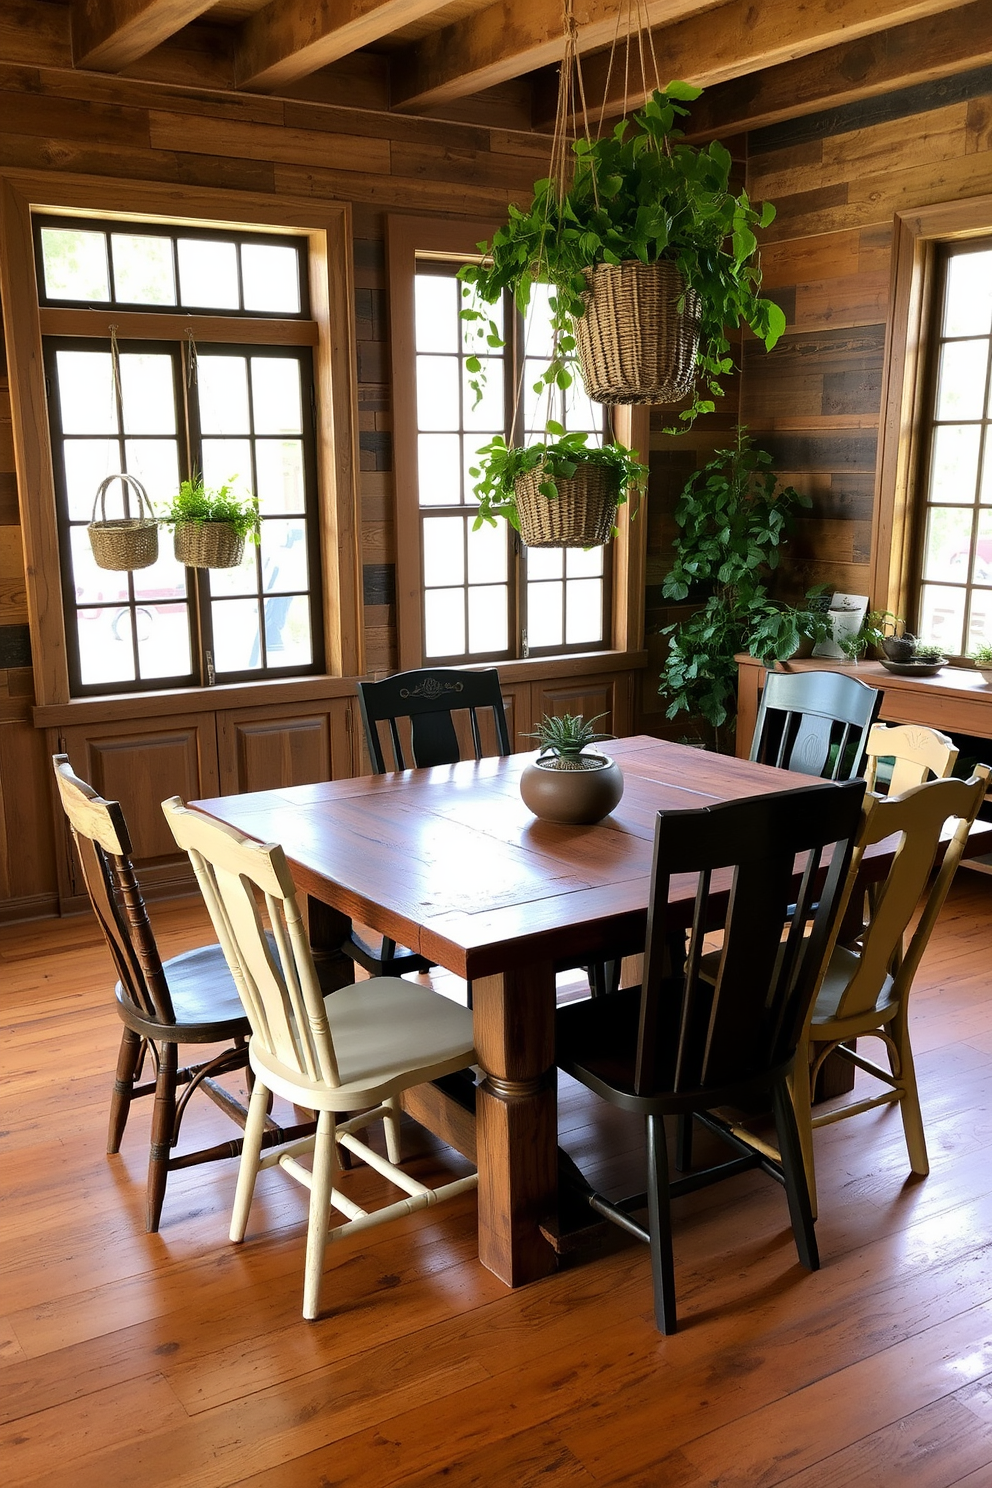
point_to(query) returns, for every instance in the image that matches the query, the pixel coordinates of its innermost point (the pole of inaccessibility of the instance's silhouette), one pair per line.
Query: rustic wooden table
(448, 861)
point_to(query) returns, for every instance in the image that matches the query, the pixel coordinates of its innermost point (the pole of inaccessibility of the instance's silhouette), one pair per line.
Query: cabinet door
(591, 696)
(294, 744)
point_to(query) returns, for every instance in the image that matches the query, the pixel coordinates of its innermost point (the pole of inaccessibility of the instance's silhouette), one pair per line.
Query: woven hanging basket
(208, 545)
(582, 515)
(120, 543)
(634, 344)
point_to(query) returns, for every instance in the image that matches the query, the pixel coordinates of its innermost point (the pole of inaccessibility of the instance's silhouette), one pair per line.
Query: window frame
(330, 332)
(906, 390)
(408, 238)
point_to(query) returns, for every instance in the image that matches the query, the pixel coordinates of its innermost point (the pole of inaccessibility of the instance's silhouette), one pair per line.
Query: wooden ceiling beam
(109, 34)
(289, 39)
(706, 47)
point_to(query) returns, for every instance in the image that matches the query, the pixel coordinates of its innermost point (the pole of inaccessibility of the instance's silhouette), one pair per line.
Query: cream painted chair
(865, 990)
(355, 1049)
(917, 754)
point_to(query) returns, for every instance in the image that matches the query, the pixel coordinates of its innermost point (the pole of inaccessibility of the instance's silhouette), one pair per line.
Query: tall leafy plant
(732, 520)
(640, 193)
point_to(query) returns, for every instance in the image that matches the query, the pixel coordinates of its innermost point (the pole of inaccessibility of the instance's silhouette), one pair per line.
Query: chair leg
(683, 1144)
(128, 1059)
(163, 1134)
(802, 1101)
(324, 1166)
(909, 1106)
(800, 1208)
(660, 1227)
(251, 1150)
(391, 1126)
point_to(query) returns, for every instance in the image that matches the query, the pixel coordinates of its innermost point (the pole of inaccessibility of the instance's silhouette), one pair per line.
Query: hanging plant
(640, 198)
(558, 493)
(210, 527)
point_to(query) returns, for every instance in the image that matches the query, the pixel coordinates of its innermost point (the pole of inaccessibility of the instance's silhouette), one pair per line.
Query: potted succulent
(561, 493)
(210, 526)
(566, 783)
(982, 657)
(652, 259)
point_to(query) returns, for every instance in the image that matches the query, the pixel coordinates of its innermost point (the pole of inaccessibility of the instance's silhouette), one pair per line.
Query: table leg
(516, 1121)
(328, 929)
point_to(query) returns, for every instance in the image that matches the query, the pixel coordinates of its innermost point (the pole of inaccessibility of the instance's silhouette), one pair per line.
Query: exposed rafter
(291, 38)
(708, 46)
(109, 34)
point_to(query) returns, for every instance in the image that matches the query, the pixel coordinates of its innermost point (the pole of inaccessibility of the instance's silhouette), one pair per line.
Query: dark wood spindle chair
(815, 722)
(682, 1043)
(188, 999)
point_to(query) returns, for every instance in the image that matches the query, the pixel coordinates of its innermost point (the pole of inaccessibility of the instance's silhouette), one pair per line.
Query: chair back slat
(104, 847)
(918, 818)
(814, 722)
(428, 701)
(702, 1028)
(281, 994)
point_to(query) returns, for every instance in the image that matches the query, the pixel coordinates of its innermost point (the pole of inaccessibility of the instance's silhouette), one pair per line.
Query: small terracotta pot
(572, 797)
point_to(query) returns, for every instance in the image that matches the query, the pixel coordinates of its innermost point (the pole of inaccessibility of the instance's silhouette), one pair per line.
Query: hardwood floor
(141, 1361)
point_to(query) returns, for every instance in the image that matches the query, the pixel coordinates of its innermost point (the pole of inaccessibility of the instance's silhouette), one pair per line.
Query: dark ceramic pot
(572, 797)
(899, 648)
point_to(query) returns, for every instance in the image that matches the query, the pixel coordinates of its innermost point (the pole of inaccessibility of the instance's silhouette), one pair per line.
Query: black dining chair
(188, 999)
(815, 722)
(688, 1040)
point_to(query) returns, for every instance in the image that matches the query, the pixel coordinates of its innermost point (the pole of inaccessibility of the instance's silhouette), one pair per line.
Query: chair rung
(887, 1098)
(383, 1165)
(618, 1216)
(403, 1206)
(853, 1057)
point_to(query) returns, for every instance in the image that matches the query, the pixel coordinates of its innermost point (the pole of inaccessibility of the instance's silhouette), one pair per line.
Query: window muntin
(486, 596)
(955, 566)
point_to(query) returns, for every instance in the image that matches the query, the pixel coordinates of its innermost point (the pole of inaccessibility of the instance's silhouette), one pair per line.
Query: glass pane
(148, 394)
(270, 277)
(287, 632)
(544, 563)
(537, 324)
(444, 622)
(156, 464)
(955, 463)
(981, 572)
(144, 272)
(105, 651)
(240, 580)
(164, 580)
(284, 556)
(237, 647)
(222, 394)
(583, 563)
(208, 274)
(279, 473)
(582, 413)
(487, 618)
(980, 621)
(227, 462)
(163, 640)
(471, 444)
(93, 585)
(436, 302)
(437, 469)
(583, 611)
(275, 391)
(942, 617)
(947, 549)
(75, 264)
(968, 304)
(544, 614)
(444, 554)
(86, 392)
(487, 554)
(437, 393)
(489, 412)
(86, 462)
(961, 379)
(472, 343)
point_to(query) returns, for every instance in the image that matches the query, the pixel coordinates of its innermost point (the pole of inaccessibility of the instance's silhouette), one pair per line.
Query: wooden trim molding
(328, 228)
(915, 235)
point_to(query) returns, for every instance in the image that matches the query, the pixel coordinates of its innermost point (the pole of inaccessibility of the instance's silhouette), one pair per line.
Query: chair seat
(388, 1035)
(837, 978)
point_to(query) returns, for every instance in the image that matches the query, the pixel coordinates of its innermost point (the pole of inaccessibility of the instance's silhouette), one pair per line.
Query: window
(203, 366)
(484, 595)
(954, 569)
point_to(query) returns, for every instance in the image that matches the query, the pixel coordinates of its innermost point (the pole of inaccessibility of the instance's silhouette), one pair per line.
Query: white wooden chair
(865, 990)
(918, 753)
(355, 1049)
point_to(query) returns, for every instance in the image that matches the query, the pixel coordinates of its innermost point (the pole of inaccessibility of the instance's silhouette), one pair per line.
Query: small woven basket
(634, 344)
(582, 515)
(122, 543)
(208, 545)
